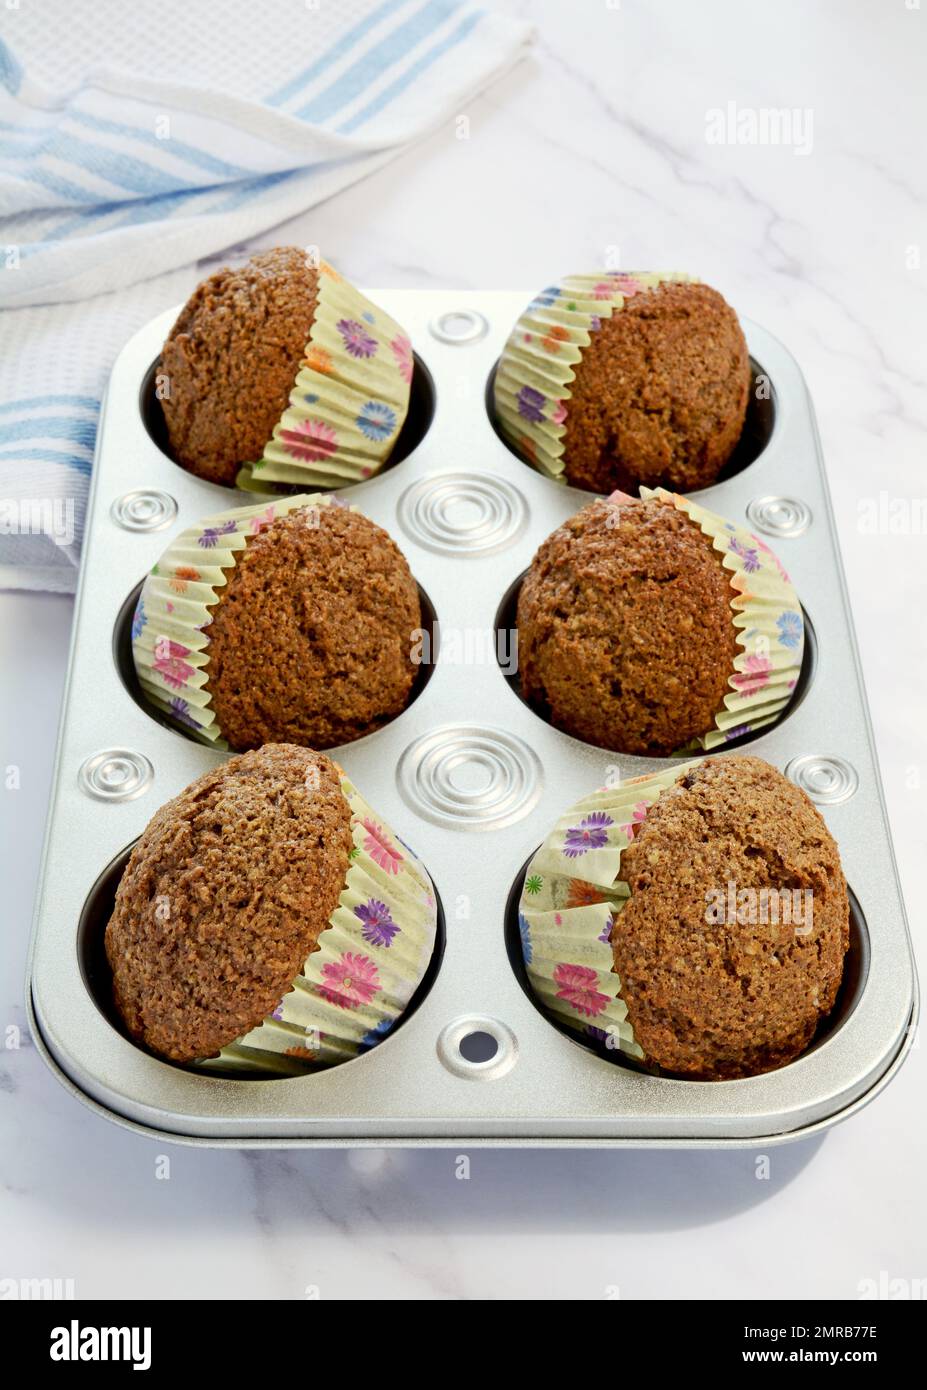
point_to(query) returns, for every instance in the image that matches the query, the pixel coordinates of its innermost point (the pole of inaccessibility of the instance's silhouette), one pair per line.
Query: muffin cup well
(532, 382)
(170, 626)
(368, 963)
(349, 399)
(572, 892)
(767, 616)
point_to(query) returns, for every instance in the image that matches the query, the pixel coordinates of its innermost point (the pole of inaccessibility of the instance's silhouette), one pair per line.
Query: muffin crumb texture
(311, 640)
(716, 1000)
(625, 628)
(223, 898)
(231, 361)
(660, 395)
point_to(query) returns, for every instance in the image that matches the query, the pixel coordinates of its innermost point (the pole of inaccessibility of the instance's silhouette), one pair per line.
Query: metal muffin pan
(471, 777)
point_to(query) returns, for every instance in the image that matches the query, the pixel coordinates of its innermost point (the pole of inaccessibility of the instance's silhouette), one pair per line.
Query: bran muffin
(709, 997)
(660, 395)
(625, 628)
(223, 898)
(231, 360)
(310, 640)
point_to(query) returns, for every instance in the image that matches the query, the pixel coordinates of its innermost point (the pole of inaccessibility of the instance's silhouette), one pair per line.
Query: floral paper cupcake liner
(367, 965)
(572, 893)
(531, 391)
(768, 618)
(349, 400)
(170, 627)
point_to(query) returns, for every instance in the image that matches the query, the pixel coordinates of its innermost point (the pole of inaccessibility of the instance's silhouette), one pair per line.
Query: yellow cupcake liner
(170, 626)
(770, 629)
(369, 961)
(349, 400)
(572, 893)
(531, 391)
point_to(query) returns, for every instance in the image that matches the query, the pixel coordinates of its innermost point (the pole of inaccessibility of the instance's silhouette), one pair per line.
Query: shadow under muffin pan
(474, 780)
(756, 436)
(506, 624)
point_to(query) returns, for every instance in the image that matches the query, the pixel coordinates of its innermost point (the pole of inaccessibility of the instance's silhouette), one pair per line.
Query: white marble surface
(597, 141)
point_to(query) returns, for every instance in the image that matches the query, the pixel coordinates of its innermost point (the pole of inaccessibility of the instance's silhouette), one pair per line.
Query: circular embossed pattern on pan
(146, 509)
(115, 774)
(779, 516)
(469, 777)
(458, 327)
(463, 513)
(826, 779)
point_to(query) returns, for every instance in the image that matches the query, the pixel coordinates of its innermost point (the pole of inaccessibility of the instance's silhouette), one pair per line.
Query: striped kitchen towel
(138, 140)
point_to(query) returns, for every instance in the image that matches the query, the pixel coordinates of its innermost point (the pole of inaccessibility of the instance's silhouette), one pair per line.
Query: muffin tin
(470, 775)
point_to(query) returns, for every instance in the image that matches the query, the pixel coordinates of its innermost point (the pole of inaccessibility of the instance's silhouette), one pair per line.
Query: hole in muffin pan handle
(478, 1047)
(459, 327)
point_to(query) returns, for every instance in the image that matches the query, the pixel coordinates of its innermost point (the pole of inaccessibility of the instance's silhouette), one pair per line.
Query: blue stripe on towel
(373, 108)
(50, 427)
(172, 146)
(373, 64)
(31, 402)
(337, 50)
(73, 461)
(123, 170)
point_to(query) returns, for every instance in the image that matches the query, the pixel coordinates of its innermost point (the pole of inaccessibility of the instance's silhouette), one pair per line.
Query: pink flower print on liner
(261, 523)
(350, 981)
(603, 290)
(754, 676)
(559, 413)
(357, 340)
(381, 848)
(169, 662)
(638, 816)
(578, 988)
(624, 284)
(401, 349)
(311, 441)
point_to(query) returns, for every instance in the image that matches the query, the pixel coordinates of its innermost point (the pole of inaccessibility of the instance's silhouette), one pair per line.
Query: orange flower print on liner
(302, 1052)
(329, 270)
(528, 448)
(318, 359)
(554, 336)
(182, 576)
(583, 894)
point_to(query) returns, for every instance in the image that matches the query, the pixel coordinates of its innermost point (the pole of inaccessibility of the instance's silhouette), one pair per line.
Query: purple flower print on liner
(737, 731)
(531, 404)
(210, 537)
(376, 421)
(139, 619)
(595, 323)
(180, 709)
(591, 833)
(278, 1012)
(357, 340)
(790, 627)
(747, 553)
(379, 927)
(606, 933)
